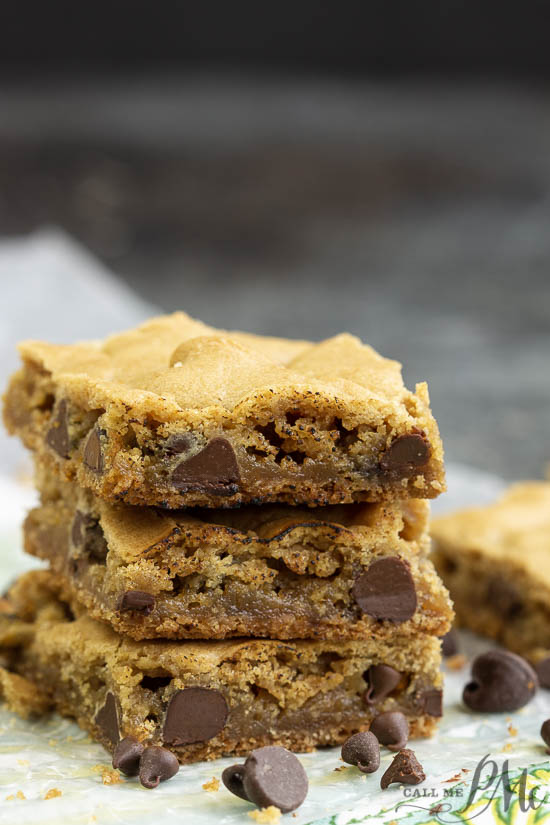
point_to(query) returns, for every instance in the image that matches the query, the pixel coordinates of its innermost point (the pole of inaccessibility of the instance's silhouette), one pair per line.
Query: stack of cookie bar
(236, 532)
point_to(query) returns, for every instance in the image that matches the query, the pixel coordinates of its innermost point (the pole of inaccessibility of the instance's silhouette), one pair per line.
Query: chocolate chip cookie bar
(178, 414)
(205, 699)
(353, 571)
(495, 561)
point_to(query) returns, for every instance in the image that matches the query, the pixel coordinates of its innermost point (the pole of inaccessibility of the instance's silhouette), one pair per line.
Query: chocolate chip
(93, 457)
(430, 701)
(501, 681)
(107, 719)
(386, 590)
(406, 452)
(405, 769)
(545, 733)
(381, 680)
(137, 600)
(127, 754)
(57, 436)
(214, 469)
(449, 643)
(157, 765)
(391, 729)
(232, 778)
(194, 714)
(542, 669)
(87, 534)
(362, 750)
(177, 444)
(274, 776)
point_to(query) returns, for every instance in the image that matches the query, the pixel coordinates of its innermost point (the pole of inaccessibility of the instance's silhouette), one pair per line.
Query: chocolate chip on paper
(545, 733)
(232, 778)
(449, 643)
(274, 776)
(542, 669)
(501, 681)
(157, 765)
(391, 729)
(405, 770)
(386, 590)
(127, 755)
(363, 751)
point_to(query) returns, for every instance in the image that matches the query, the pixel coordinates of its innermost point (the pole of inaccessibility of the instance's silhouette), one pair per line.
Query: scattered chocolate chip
(406, 452)
(542, 669)
(362, 750)
(57, 436)
(545, 733)
(127, 754)
(87, 535)
(157, 765)
(391, 729)
(93, 457)
(214, 469)
(194, 714)
(386, 590)
(405, 770)
(501, 681)
(107, 719)
(449, 643)
(137, 600)
(232, 778)
(274, 776)
(430, 701)
(381, 680)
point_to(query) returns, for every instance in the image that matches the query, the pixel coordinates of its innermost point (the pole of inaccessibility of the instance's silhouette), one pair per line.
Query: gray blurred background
(304, 183)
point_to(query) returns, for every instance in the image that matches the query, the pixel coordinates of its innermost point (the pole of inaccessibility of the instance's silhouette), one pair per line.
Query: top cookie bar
(175, 414)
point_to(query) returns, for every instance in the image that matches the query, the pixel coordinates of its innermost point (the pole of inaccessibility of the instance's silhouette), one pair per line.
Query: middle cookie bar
(342, 572)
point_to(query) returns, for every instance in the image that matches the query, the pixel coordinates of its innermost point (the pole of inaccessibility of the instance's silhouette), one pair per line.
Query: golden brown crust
(300, 423)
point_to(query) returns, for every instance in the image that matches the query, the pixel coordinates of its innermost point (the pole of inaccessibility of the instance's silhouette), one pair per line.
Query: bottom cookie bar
(203, 700)
(494, 560)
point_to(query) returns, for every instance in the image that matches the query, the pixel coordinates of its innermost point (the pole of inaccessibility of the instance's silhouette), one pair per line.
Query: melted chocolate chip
(391, 729)
(386, 590)
(232, 778)
(157, 765)
(405, 770)
(430, 701)
(213, 470)
(137, 600)
(127, 754)
(194, 714)
(381, 680)
(57, 436)
(178, 444)
(449, 643)
(542, 669)
(274, 776)
(107, 719)
(93, 457)
(87, 535)
(406, 452)
(501, 681)
(362, 750)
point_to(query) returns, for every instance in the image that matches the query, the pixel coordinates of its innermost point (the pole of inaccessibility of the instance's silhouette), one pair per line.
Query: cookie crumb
(456, 662)
(454, 778)
(52, 793)
(212, 785)
(436, 809)
(110, 776)
(23, 762)
(18, 795)
(512, 730)
(341, 768)
(507, 747)
(266, 816)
